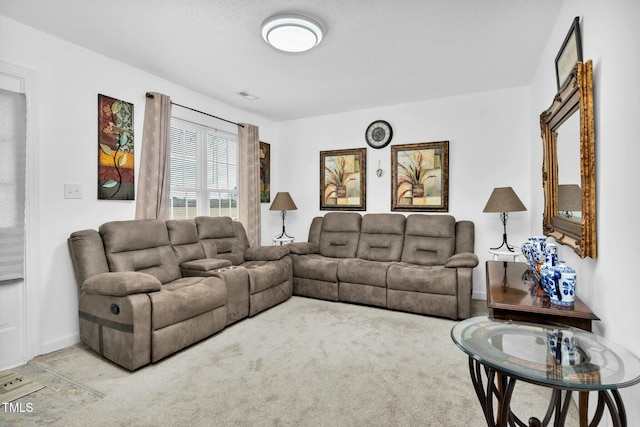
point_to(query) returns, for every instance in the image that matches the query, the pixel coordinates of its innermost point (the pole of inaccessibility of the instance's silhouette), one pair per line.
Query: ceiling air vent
(247, 95)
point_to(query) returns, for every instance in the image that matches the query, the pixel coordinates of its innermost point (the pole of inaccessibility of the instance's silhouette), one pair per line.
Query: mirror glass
(568, 152)
(568, 170)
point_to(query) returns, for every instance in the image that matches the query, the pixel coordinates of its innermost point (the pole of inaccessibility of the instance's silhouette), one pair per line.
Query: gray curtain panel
(153, 180)
(249, 181)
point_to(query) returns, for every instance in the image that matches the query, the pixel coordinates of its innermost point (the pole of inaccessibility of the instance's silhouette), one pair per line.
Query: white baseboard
(479, 295)
(59, 344)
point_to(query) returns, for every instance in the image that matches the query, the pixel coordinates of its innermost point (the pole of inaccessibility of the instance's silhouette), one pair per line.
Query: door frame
(31, 286)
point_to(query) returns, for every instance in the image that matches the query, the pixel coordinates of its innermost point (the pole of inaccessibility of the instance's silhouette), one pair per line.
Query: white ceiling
(375, 52)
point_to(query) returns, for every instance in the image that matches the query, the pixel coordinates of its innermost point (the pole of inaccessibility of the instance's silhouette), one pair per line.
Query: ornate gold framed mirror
(568, 168)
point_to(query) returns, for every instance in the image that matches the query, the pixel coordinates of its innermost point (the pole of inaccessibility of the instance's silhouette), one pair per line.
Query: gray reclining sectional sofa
(419, 263)
(149, 288)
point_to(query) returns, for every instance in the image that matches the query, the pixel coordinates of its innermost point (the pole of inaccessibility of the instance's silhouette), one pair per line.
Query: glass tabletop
(554, 355)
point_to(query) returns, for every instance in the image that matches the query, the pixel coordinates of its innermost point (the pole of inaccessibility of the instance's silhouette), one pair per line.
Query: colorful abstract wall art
(115, 149)
(265, 172)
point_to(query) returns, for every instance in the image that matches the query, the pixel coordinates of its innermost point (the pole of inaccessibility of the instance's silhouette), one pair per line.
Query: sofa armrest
(121, 283)
(303, 248)
(205, 264)
(464, 259)
(266, 253)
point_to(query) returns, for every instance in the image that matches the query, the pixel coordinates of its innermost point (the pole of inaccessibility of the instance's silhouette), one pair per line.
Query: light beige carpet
(305, 362)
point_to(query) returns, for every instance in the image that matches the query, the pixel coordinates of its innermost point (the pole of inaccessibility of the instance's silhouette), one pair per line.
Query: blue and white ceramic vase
(538, 250)
(562, 347)
(548, 267)
(526, 251)
(563, 286)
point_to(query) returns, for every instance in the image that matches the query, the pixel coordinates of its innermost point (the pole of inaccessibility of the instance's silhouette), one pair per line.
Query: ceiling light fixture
(291, 32)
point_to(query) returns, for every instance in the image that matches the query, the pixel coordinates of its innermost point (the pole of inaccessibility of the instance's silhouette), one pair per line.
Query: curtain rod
(150, 95)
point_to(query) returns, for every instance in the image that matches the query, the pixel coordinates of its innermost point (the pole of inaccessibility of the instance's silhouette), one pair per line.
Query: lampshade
(569, 197)
(283, 202)
(291, 32)
(504, 199)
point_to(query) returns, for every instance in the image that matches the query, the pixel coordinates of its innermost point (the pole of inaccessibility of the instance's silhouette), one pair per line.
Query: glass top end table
(559, 357)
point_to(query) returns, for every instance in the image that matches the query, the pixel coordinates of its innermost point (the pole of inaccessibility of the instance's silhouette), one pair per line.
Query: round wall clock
(378, 134)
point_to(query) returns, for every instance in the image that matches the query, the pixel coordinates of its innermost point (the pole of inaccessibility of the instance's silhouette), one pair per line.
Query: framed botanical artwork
(570, 53)
(343, 179)
(115, 149)
(265, 172)
(420, 177)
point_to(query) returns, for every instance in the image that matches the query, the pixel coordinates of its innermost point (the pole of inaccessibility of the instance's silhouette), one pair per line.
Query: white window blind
(13, 146)
(222, 174)
(204, 171)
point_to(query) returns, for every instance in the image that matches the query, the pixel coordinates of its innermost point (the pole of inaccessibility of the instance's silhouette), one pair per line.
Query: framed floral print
(420, 177)
(343, 179)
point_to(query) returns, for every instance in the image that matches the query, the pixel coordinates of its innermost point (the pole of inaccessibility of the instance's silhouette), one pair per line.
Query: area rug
(305, 362)
(56, 398)
(14, 386)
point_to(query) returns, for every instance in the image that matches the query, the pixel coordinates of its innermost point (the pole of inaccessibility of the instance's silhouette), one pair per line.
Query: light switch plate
(72, 191)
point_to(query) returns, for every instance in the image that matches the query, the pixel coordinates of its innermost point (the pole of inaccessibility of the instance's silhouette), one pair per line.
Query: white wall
(610, 35)
(70, 78)
(494, 141)
(488, 147)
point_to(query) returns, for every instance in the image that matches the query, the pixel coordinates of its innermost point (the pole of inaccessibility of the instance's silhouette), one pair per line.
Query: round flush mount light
(291, 32)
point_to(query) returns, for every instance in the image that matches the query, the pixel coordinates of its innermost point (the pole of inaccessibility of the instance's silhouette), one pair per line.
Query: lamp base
(506, 245)
(503, 218)
(283, 234)
(283, 214)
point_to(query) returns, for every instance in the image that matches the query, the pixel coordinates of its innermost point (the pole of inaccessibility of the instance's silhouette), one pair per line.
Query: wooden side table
(509, 297)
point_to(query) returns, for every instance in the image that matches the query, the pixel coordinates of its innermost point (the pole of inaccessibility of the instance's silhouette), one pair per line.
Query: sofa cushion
(186, 298)
(362, 271)
(315, 229)
(224, 246)
(465, 236)
(423, 279)
(429, 239)
(266, 274)
(381, 237)
(183, 236)
(219, 239)
(87, 254)
(315, 267)
(140, 245)
(340, 234)
(182, 231)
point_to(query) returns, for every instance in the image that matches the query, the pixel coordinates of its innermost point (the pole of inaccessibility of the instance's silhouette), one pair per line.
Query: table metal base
(499, 388)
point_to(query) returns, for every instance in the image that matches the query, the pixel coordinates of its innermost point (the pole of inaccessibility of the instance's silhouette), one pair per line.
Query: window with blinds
(204, 171)
(13, 145)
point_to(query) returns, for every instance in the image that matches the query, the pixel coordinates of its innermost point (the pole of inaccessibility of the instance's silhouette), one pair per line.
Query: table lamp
(283, 203)
(504, 200)
(569, 199)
